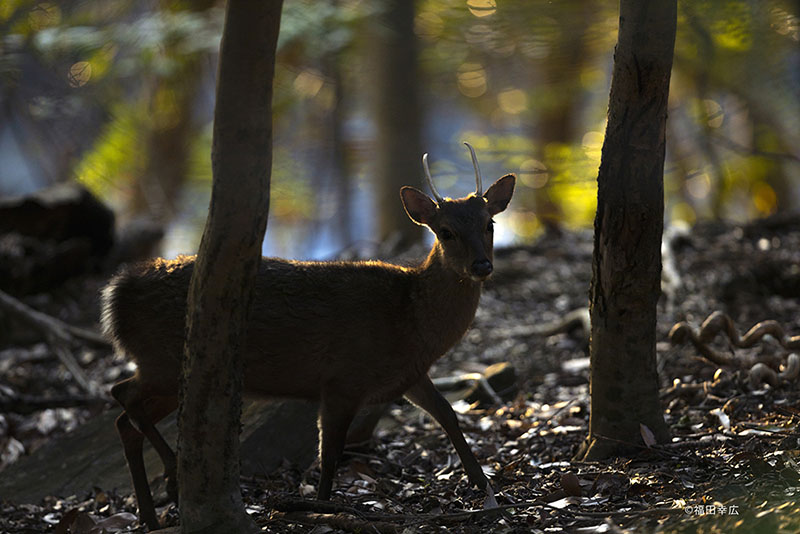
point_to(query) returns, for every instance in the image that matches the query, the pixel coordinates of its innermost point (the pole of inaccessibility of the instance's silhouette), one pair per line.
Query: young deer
(343, 333)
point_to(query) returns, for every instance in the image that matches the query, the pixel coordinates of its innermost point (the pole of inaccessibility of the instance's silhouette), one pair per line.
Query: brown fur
(343, 333)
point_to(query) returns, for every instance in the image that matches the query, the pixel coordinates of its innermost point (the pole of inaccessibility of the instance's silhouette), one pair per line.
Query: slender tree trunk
(170, 129)
(626, 265)
(398, 141)
(338, 159)
(220, 292)
(554, 121)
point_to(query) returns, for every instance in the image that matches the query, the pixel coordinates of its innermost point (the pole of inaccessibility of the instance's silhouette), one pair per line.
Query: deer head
(463, 227)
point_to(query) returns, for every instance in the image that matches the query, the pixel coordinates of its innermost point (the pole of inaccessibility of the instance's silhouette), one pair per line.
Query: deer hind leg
(132, 441)
(425, 395)
(334, 419)
(156, 410)
(137, 422)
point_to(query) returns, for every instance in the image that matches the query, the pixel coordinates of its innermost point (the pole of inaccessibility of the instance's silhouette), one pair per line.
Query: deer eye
(445, 234)
(490, 226)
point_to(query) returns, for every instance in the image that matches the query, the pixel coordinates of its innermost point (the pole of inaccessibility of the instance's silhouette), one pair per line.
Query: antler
(428, 178)
(478, 186)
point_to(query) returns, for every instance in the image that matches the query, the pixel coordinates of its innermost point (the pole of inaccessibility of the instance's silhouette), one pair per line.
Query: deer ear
(419, 206)
(499, 194)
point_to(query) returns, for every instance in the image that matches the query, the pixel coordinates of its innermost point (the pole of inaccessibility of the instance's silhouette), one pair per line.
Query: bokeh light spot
(533, 173)
(482, 8)
(472, 79)
(512, 101)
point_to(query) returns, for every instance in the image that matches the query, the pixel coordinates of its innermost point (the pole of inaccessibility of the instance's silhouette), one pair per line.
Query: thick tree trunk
(398, 119)
(626, 266)
(221, 288)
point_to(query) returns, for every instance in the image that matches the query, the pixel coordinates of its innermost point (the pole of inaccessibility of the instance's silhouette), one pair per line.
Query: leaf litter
(732, 464)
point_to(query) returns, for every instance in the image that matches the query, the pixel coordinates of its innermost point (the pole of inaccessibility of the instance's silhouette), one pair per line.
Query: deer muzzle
(481, 269)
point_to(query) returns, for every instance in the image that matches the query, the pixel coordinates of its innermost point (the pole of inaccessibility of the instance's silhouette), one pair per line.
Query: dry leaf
(724, 420)
(116, 522)
(610, 484)
(647, 435)
(66, 520)
(571, 484)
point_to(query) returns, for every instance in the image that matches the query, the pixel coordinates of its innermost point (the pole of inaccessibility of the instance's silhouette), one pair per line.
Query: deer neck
(446, 303)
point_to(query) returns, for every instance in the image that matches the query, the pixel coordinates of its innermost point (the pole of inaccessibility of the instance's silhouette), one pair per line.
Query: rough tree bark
(221, 288)
(398, 141)
(626, 265)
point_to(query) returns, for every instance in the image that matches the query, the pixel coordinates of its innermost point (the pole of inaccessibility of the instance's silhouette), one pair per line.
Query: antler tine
(428, 178)
(478, 185)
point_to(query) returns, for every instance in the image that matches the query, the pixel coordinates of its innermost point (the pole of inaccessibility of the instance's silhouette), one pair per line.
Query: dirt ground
(731, 467)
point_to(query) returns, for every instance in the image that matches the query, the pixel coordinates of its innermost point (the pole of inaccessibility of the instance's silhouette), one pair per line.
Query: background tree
(82, 88)
(170, 96)
(398, 145)
(554, 124)
(220, 292)
(626, 264)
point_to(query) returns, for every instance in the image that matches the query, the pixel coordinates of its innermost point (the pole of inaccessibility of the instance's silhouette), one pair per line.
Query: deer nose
(481, 268)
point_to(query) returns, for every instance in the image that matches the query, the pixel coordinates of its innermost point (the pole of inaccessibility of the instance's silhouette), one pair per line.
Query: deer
(343, 333)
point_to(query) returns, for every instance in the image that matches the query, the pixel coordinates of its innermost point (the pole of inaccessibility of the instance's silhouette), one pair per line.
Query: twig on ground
(760, 372)
(335, 515)
(58, 334)
(339, 521)
(25, 404)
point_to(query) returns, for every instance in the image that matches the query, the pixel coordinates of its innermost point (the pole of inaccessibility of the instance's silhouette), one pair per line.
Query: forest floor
(732, 465)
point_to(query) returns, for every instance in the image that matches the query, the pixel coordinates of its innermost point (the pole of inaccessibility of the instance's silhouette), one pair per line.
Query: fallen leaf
(563, 503)
(66, 520)
(647, 435)
(724, 420)
(490, 501)
(571, 484)
(81, 523)
(610, 484)
(117, 522)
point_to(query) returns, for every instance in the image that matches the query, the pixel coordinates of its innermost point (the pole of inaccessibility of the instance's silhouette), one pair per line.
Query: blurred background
(119, 96)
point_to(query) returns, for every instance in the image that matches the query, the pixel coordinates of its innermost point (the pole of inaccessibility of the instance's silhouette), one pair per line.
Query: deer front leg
(132, 441)
(335, 416)
(425, 395)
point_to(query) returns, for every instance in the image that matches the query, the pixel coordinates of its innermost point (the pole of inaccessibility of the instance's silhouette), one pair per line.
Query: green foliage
(525, 82)
(115, 160)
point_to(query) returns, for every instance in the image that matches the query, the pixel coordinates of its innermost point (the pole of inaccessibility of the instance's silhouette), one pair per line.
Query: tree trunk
(626, 265)
(220, 292)
(559, 73)
(398, 142)
(338, 160)
(170, 128)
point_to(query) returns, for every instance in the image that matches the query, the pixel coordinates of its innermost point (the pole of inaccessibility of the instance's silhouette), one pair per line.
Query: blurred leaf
(571, 484)
(647, 435)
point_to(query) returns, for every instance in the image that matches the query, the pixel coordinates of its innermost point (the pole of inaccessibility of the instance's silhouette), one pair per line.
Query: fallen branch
(26, 404)
(454, 517)
(335, 515)
(719, 322)
(759, 372)
(338, 521)
(579, 317)
(449, 383)
(48, 324)
(57, 333)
